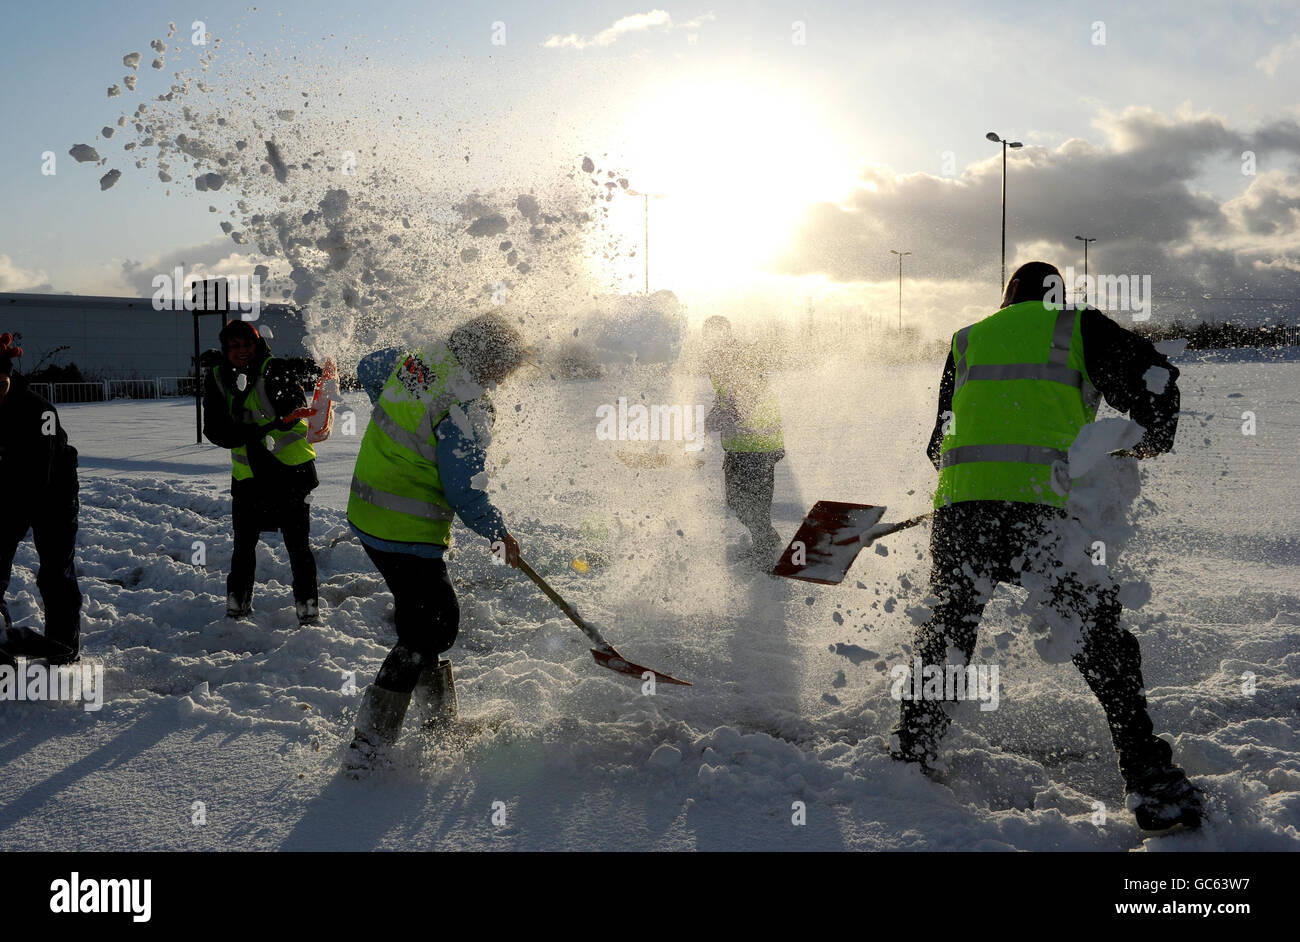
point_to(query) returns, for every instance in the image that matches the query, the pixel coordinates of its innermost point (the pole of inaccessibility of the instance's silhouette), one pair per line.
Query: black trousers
(426, 612)
(748, 478)
(54, 533)
(976, 544)
(252, 512)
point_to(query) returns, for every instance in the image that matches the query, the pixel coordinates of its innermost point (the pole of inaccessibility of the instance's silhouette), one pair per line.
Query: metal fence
(78, 392)
(132, 388)
(161, 387)
(173, 386)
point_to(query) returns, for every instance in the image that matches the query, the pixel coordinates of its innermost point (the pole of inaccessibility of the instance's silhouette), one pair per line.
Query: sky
(785, 147)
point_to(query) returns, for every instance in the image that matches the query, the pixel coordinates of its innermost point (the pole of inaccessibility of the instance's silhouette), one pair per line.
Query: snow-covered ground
(791, 694)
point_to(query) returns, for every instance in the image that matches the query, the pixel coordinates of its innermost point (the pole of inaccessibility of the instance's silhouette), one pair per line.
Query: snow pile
(791, 703)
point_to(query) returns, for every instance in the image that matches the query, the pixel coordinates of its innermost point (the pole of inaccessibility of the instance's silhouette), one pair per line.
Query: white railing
(173, 386)
(131, 389)
(78, 392)
(105, 390)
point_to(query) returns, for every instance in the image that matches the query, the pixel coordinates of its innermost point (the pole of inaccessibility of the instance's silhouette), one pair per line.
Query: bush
(57, 374)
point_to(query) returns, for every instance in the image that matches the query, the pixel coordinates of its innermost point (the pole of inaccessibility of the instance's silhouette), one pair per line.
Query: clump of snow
(131, 60)
(1085, 546)
(1156, 378)
(108, 179)
(84, 153)
(488, 225)
(1097, 440)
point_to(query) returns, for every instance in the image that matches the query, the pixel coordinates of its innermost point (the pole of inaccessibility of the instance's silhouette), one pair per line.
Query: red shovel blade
(608, 657)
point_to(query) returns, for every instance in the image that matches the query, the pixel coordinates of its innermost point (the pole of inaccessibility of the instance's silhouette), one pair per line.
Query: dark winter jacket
(37, 465)
(1117, 361)
(225, 425)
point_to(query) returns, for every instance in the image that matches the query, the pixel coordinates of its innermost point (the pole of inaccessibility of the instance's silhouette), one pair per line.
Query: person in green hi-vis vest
(248, 398)
(421, 464)
(1017, 388)
(747, 415)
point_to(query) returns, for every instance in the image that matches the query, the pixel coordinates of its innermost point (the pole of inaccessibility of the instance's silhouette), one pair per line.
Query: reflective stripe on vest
(396, 502)
(1020, 396)
(396, 491)
(1021, 454)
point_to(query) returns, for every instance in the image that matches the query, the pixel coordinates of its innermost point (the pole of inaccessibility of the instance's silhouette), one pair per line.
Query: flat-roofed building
(126, 338)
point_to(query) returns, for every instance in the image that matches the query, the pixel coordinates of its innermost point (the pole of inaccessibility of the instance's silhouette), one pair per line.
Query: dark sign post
(209, 297)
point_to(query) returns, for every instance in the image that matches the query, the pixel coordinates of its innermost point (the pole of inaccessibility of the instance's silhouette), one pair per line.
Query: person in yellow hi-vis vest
(420, 465)
(247, 401)
(747, 415)
(1017, 389)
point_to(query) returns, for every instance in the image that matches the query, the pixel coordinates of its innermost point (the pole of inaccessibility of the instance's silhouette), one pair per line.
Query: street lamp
(1085, 266)
(646, 197)
(993, 136)
(900, 284)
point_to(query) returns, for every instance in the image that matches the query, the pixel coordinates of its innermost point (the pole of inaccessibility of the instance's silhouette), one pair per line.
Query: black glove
(211, 359)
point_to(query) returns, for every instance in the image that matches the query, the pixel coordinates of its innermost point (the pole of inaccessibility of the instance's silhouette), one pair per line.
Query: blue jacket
(461, 456)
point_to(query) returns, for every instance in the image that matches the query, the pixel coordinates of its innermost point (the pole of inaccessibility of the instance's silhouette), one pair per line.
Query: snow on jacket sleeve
(285, 381)
(461, 459)
(373, 371)
(1134, 378)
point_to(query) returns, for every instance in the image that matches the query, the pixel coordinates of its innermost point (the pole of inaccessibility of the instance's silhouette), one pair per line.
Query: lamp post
(993, 136)
(646, 197)
(1085, 266)
(900, 284)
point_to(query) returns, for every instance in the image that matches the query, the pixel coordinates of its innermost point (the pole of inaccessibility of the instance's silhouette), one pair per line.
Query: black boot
(239, 604)
(435, 697)
(1160, 795)
(308, 610)
(379, 722)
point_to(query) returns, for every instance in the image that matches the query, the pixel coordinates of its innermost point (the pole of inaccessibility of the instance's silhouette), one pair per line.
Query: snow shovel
(604, 652)
(830, 538)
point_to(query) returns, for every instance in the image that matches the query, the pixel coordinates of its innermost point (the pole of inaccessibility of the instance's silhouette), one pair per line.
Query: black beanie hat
(239, 328)
(7, 352)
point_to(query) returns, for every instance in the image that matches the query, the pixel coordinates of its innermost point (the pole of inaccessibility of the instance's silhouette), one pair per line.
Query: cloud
(1279, 54)
(206, 260)
(636, 23)
(14, 278)
(1139, 191)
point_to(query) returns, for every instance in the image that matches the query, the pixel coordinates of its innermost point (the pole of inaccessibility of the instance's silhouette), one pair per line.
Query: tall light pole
(993, 136)
(900, 284)
(1085, 266)
(646, 197)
